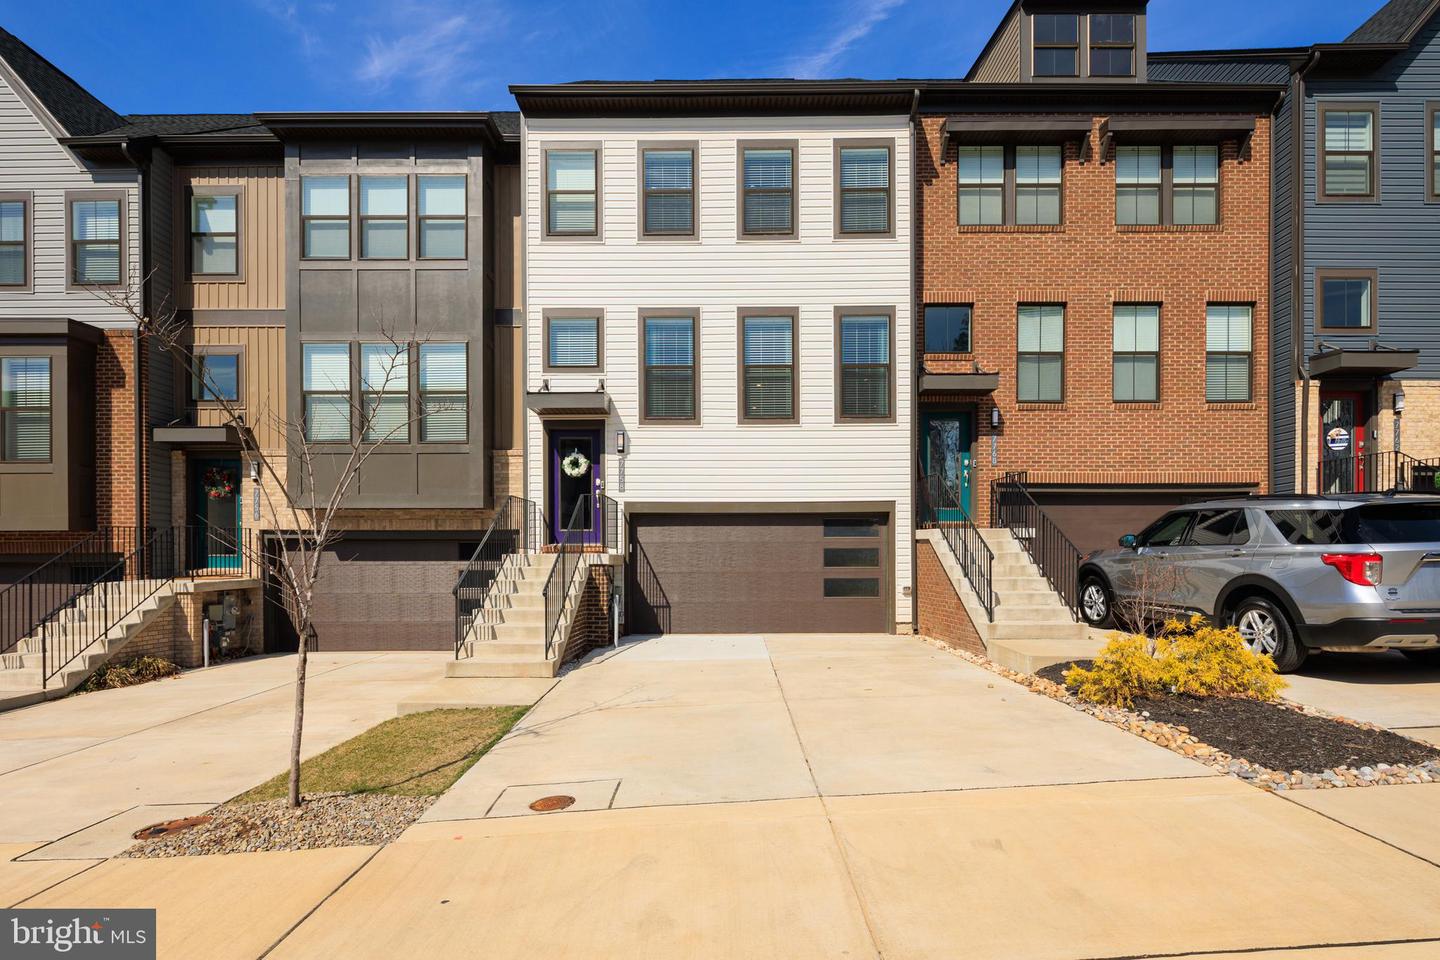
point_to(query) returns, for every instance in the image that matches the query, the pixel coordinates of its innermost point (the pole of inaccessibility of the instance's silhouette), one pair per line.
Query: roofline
(717, 97)
(311, 121)
(1409, 37)
(51, 64)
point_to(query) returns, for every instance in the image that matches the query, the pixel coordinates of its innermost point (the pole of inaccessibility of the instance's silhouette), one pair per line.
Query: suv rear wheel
(1095, 601)
(1266, 629)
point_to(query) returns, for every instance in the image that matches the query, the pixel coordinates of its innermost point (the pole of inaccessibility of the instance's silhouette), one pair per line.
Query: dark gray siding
(160, 363)
(1397, 234)
(1282, 306)
(1219, 71)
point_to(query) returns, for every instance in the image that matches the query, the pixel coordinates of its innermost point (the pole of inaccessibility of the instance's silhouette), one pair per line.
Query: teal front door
(213, 537)
(945, 440)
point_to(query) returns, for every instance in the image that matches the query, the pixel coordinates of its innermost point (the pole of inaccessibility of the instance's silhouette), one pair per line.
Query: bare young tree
(1150, 601)
(328, 467)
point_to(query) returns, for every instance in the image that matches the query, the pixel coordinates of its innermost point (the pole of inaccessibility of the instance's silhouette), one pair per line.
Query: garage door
(1095, 520)
(760, 573)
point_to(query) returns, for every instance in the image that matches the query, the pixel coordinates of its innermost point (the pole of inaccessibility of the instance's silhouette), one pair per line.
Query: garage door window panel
(668, 381)
(852, 556)
(852, 588)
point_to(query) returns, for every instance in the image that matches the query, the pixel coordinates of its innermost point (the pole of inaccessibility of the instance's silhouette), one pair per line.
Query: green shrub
(139, 670)
(1194, 658)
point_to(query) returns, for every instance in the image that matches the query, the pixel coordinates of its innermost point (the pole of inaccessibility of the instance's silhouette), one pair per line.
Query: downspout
(1297, 268)
(143, 168)
(915, 373)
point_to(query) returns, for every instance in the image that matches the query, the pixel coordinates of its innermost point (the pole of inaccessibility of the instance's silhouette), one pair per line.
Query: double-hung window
(1056, 39)
(1037, 185)
(866, 367)
(571, 193)
(767, 377)
(1112, 45)
(572, 342)
(1195, 192)
(25, 409)
(1137, 353)
(1345, 300)
(14, 240)
(95, 247)
(385, 392)
(1010, 185)
(1040, 365)
(668, 383)
(384, 218)
(1137, 185)
(215, 232)
(444, 393)
(325, 378)
(325, 218)
(1228, 347)
(441, 216)
(668, 205)
(1348, 136)
(982, 186)
(767, 188)
(1432, 151)
(1167, 185)
(865, 191)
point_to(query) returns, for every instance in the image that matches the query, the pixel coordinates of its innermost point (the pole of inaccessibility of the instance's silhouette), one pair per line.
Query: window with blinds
(1037, 185)
(384, 218)
(767, 191)
(325, 217)
(865, 367)
(14, 244)
(1196, 190)
(865, 189)
(1136, 353)
(573, 342)
(385, 392)
(1137, 185)
(95, 242)
(1228, 346)
(571, 207)
(25, 409)
(325, 374)
(669, 198)
(444, 393)
(1040, 364)
(215, 234)
(441, 212)
(982, 185)
(669, 376)
(1347, 168)
(768, 367)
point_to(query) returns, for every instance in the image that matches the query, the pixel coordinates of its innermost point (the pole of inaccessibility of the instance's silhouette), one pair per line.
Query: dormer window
(1112, 45)
(1057, 44)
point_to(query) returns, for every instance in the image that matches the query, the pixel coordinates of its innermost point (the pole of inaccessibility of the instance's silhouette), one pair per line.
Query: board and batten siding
(721, 461)
(261, 284)
(1396, 234)
(33, 161)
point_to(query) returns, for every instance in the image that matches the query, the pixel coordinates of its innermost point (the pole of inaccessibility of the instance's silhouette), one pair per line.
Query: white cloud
(861, 18)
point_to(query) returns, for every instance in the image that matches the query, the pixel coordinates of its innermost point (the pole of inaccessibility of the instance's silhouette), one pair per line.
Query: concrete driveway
(1382, 688)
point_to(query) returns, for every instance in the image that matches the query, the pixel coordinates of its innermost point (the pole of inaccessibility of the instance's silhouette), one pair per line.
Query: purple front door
(575, 483)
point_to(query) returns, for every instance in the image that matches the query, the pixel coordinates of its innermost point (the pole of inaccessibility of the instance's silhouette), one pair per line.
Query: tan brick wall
(508, 471)
(177, 633)
(942, 616)
(1089, 264)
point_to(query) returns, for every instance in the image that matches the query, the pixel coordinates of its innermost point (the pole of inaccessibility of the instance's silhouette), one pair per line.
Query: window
(571, 193)
(1137, 354)
(863, 183)
(1014, 185)
(384, 218)
(767, 188)
(1345, 300)
(215, 232)
(669, 379)
(441, 217)
(325, 217)
(669, 194)
(25, 409)
(1308, 528)
(1137, 185)
(767, 375)
(444, 393)
(326, 383)
(217, 375)
(572, 342)
(1227, 353)
(1037, 185)
(1432, 151)
(1112, 45)
(1168, 531)
(95, 257)
(947, 329)
(1040, 368)
(1056, 38)
(14, 240)
(982, 186)
(1169, 185)
(1219, 528)
(1348, 159)
(385, 392)
(1196, 190)
(852, 556)
(864, 382)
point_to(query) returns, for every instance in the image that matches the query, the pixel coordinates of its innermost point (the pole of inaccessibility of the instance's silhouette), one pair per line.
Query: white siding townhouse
(718, 317)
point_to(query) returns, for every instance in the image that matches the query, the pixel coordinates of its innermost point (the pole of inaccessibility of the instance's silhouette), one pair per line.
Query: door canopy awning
(567, 403)
(1376, 360)
(959, 382)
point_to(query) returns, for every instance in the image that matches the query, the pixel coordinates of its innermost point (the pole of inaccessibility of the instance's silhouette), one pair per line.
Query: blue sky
(191, 56)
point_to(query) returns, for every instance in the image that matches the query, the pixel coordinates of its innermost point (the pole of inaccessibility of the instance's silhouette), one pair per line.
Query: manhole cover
(169, 827)
(551, 804)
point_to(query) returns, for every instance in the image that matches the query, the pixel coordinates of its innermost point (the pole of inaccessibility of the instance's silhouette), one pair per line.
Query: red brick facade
(1088, 263)
(942, 616)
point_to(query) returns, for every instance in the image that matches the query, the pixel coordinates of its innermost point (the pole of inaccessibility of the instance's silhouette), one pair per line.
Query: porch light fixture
(994, 418)
(1399, 400)
(620, 441)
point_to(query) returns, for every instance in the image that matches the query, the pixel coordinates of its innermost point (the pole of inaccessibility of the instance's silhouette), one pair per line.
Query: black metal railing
(1013, 507)
(938, 507)
(1381, 472)
(517, 530)
(594, 526)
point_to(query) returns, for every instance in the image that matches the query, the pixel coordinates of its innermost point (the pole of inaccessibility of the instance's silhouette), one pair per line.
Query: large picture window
(668, 383)
(1040, 367)
(571, 193)
(1228, 348)
(1136, 353)
(866, 367)
(444, 393)
(326, 383)
(25, 414)
(767, 367)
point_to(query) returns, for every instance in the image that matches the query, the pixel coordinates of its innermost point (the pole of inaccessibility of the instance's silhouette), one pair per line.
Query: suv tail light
(1359, 568)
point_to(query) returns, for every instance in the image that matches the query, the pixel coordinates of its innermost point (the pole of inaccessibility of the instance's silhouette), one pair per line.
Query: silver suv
(1295, 574)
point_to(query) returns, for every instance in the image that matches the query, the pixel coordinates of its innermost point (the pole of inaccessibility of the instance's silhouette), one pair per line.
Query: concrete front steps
(506, 638)
(1032, 627)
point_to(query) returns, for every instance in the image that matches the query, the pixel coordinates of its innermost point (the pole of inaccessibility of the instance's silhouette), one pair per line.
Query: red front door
(1345, 461)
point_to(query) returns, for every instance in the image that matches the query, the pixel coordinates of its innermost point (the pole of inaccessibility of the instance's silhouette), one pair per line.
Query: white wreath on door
(575, 465)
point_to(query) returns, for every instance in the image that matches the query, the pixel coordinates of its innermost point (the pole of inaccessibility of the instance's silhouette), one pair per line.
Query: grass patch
(419, 755)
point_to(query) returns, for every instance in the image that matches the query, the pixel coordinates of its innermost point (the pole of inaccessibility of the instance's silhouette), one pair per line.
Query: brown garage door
(1096, 520)
(759, 573)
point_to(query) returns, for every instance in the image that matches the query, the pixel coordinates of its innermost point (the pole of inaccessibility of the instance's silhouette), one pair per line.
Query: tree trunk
(295, 737)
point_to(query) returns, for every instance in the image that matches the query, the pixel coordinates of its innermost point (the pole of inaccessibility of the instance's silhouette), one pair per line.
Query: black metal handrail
(939, 508)
(516, 530)
(1380, 472)
(594, 525)
(1013, 507)
(58, 582)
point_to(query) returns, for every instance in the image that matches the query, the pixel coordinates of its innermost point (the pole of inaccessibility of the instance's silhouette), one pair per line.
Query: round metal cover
(169, 827)
(551, 804)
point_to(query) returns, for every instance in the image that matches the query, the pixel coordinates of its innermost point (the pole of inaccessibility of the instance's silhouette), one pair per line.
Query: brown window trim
(1157, 354)
(1347, 106)
(206, 190)
(366, 393)
(793, 314)
(1339, 273)
(889, 144)
(10, 465)
(571, 314)
(353, 365)
(352, 240)
(1094, 45)
(693, 314)
(71, 198)
(205, 350)
(1167, 189)
(26, 242)
(863, 311)
(462, 218)
(670, 146)
(363, 219)
(595, 149)
(1064, 339)
(942, 305)
(1009, 191)
(740, 192)
(420, 393)
(1078, 46)
(1432, 152)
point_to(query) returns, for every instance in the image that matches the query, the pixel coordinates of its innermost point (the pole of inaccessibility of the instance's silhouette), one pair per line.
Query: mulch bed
(1276, 735)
